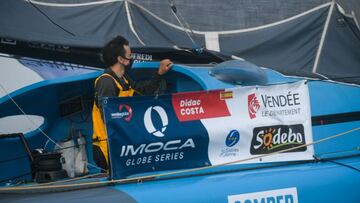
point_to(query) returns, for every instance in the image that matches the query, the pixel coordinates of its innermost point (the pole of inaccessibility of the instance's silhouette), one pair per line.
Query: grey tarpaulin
(309, 37)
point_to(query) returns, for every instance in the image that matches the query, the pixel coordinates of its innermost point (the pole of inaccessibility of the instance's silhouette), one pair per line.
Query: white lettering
(188, 143)
(119, 114)
(191, 111)
(258, 139)
(292, 136)
(299, 137)
(189, 102)
(156, 146)
(173, 142)
(276, 138)
(130, 148)
(171, 145)
(285, 195)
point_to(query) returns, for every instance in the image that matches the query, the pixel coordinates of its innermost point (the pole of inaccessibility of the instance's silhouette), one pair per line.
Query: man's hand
(165, 66)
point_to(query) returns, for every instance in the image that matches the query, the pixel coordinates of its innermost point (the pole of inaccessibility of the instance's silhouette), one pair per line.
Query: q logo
(149, 125)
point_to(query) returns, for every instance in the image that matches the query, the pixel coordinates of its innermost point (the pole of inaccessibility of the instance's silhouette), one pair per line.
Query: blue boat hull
(334, 177)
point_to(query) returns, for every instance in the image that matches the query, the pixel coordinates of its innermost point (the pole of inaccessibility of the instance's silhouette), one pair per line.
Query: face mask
(128, 67)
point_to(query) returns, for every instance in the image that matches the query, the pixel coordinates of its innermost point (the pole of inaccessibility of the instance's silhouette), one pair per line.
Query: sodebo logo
(148, 122)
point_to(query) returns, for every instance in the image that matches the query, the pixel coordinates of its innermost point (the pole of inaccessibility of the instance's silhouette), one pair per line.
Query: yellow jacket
(99, 132)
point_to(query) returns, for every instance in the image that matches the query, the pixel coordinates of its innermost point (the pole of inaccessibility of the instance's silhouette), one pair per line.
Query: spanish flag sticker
(226, 95)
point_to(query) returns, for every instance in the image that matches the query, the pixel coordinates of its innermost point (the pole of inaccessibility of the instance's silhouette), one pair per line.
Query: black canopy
(311, 37)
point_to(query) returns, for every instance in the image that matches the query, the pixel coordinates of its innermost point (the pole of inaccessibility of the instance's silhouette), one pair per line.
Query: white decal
(149, 123)
(286, 195)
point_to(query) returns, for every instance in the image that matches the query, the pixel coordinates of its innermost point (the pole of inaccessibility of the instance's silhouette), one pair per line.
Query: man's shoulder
(105, 77)
(105, 80)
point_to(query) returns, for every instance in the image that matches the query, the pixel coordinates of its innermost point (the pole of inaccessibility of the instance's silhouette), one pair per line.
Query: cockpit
(64, 105)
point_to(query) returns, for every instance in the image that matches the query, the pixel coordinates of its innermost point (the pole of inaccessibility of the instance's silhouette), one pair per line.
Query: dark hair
(113, 49)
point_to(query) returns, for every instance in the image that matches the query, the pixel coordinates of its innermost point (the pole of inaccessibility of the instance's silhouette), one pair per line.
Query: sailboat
(221, 129)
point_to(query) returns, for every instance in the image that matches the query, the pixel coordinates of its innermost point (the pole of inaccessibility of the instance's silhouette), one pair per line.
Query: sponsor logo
(125, 112)
(273, 101)
(131, 150)
(141, 57)
(253, 105)
(275, 138)
(191, 107)
(148, 153)
(226, 95)
(232, 138)
(156, 147)
(148, 122)
(52, 47)
(199, 105)
(230, 141)
(273, 105)
(286, 195)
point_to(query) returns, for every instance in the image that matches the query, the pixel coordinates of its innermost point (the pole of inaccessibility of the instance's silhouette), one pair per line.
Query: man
(114, 82)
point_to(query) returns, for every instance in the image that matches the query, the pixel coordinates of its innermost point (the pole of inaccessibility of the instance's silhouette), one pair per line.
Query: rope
(51, 20)
(174, 11)
(67, 180)
(37, 127)
(147, 177)
(335, 162)
(27, 117)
